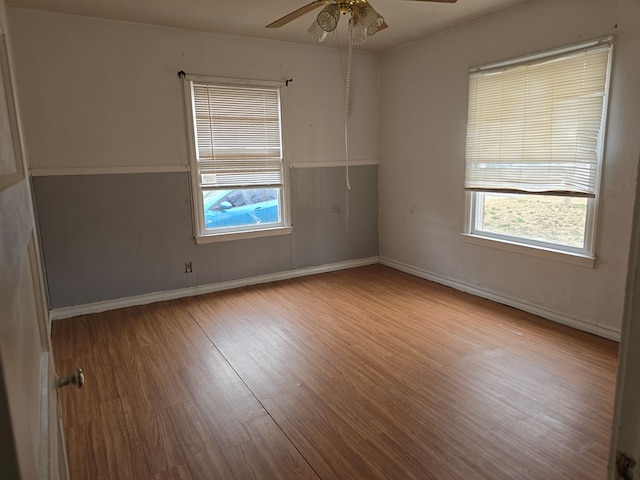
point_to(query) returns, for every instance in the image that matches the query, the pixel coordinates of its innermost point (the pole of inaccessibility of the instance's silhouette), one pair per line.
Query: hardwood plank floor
(366, 373)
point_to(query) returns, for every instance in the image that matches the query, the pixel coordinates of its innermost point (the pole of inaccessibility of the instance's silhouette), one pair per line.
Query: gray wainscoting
(112, 236)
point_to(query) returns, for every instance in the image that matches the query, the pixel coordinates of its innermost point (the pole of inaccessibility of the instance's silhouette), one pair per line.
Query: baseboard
(97, 307)
(602, 331)
(76, 310)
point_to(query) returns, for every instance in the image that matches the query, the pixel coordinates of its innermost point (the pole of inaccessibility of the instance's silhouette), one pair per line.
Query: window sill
(557, 255)
(225, 237)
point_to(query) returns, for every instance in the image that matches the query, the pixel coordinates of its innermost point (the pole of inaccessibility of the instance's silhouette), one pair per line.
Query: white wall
(423, 120)
(106, 94)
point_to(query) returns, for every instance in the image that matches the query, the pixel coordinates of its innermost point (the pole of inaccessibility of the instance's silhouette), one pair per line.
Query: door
(624, 455)
(30, 432)
(28, 378)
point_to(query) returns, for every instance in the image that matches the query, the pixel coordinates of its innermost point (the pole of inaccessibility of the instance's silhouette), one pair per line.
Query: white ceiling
(408, 20)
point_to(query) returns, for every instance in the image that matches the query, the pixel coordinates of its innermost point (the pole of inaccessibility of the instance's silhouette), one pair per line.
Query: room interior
(104, 134)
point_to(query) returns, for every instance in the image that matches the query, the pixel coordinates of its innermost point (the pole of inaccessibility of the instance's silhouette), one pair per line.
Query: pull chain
(346, 124)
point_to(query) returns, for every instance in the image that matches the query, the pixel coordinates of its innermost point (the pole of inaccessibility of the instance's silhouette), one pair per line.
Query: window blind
(536, 127)
(238, 135)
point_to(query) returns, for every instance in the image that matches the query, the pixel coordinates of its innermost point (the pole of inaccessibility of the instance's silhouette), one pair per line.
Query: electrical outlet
(188, 268)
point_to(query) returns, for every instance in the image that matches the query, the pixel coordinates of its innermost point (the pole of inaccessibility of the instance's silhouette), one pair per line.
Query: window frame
(473, 198)
(201, 234)
(581, 256)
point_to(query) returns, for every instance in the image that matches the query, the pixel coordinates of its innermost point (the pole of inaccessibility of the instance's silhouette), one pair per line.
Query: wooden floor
(359, 374)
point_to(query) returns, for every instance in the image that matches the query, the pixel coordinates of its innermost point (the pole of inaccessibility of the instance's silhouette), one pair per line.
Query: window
(535, 133)
(236, 158)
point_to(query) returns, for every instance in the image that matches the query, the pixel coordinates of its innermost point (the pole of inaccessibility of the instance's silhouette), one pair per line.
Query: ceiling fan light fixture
(367, 18)
(372, 20)
(328, 17)
(316, 32)
(358, 33)
(364, 21)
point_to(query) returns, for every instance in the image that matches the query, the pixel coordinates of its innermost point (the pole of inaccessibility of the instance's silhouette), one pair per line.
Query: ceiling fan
(364, 21)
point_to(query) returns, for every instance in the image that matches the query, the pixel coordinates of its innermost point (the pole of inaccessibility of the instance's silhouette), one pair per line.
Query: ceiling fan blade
(296, 13)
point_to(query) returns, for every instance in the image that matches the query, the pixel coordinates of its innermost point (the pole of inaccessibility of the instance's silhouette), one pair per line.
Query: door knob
(76, 379)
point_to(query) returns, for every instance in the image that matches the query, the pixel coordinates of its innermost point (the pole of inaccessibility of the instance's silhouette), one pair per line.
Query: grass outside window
(545, 218)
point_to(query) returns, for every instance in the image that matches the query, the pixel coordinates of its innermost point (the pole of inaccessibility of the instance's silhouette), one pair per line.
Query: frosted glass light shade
(371, 20)
(316, 32)
(328, 17)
